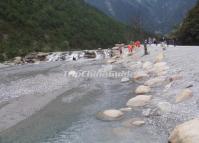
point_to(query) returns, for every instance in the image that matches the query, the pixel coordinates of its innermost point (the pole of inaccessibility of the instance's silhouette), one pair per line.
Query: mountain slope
(54, 25)
(188, 32)
(157, 16)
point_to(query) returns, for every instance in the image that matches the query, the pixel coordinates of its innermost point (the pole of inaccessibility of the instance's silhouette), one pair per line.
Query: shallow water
(71, 117)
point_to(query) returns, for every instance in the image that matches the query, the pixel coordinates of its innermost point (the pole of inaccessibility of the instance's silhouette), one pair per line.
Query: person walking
(145, 47)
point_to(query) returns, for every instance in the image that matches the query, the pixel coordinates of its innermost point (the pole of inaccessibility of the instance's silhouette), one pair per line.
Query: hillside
(54, 25)
(157, 16)
(188, 33)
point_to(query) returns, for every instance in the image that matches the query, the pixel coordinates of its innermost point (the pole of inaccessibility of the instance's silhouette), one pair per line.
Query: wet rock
(155, 82)
(110, 115)
(143, 89)
(184, 95)
(126, 109)
(139, 101)
(164, 107)
(134, 122)
(159, 57)
(125, 79)
(141, 75)
(187, 132)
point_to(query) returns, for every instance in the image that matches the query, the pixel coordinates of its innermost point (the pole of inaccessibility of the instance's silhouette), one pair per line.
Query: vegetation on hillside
(55, 25)
(188, 32)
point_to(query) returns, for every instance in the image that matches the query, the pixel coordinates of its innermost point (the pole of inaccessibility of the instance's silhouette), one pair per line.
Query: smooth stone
(142, 89)
(184, 95)
(139, 101)
(110, 115)
(134, 122)
(187, 132)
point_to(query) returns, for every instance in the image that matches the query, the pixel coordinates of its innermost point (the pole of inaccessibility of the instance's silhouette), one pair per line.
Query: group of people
(132, 45)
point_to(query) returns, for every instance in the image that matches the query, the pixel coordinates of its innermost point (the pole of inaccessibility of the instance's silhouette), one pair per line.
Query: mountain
(188, 32)
(157, 16)
(54, 25)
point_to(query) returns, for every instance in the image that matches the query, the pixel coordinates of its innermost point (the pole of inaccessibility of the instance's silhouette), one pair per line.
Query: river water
(71, 118)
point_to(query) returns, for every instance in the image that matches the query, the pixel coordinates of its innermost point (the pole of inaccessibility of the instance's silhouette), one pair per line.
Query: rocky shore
(167, 91)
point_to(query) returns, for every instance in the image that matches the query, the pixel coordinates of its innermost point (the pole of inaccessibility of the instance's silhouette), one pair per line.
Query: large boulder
(110, 115)
(184, 95)
(160, 68)
(155, 81)
(187, 132)
(142, 89)
(139, 101)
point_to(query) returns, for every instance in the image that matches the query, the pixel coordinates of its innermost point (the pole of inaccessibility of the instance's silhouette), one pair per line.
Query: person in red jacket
(130, 48)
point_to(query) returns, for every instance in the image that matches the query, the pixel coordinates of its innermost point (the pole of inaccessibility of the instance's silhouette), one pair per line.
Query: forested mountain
(54, 25)
(188, 32)
(157, 16)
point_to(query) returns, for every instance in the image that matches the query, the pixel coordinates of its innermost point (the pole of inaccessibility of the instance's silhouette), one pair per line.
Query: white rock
(139, 101)
(110, 115)
(164, 107)
(113, 113)
(155, 81)
(160, 68)
(187, 132)
(143, 89)
(125, 79)
(184, 95)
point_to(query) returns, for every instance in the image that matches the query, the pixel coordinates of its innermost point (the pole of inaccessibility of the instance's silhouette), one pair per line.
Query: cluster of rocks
(31, 58)
(152, 75)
